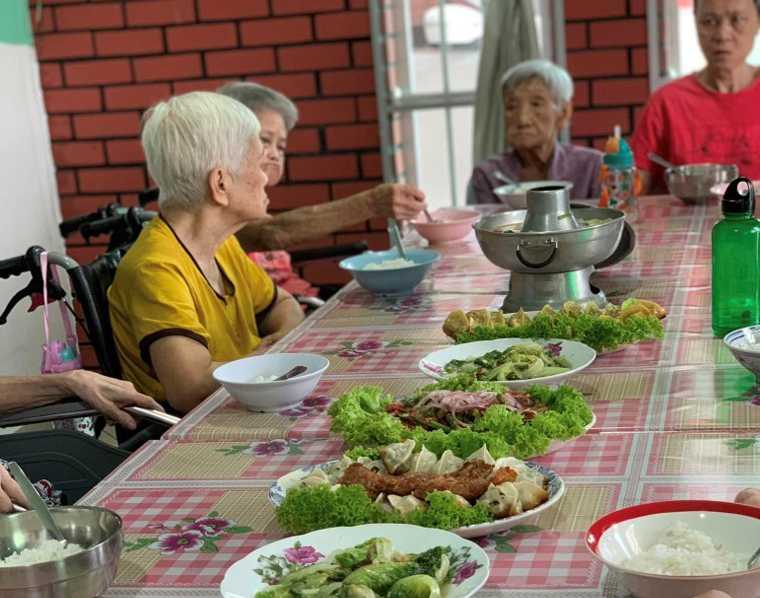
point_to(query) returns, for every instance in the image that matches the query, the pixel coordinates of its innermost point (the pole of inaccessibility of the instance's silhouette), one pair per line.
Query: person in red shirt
(712, 115)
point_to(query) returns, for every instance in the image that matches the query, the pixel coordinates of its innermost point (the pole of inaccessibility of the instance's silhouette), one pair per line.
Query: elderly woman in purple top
(537, 98)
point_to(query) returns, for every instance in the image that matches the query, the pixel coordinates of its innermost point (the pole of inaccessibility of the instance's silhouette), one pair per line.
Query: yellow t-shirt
(159, 291)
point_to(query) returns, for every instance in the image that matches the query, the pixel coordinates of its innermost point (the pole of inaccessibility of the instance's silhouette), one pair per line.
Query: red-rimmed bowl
(449, 225)
(624, 533)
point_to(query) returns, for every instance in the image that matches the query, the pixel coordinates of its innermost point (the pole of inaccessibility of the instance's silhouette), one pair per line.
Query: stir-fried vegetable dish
(373, 569)
(519, 362)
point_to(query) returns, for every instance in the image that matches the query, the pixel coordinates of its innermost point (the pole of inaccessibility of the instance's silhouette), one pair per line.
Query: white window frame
(400, 160)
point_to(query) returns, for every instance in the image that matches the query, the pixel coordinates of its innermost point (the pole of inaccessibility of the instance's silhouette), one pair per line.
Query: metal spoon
(35, 501)
(504, 178)
(296, 371)
(751, 562)
(395, 236)
(430, 218)
(661, 161)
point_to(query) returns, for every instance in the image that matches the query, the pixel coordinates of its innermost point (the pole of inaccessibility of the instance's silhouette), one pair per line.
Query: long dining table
(675, 419)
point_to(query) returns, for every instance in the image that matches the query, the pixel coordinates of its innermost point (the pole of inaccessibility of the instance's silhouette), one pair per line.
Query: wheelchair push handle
(71, 225)
(15, 266)
(101, 227)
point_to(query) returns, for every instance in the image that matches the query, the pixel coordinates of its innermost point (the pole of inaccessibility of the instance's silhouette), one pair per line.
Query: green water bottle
(736, 262)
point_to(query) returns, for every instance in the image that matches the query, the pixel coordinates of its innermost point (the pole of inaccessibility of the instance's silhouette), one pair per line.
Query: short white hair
(557, 80)
(187, 137)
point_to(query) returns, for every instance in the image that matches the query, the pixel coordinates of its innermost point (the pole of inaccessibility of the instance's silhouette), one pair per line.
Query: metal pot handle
(551, 242)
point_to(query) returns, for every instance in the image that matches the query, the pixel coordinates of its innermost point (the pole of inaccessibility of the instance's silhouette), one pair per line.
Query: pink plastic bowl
(624, 533)
(455, 224)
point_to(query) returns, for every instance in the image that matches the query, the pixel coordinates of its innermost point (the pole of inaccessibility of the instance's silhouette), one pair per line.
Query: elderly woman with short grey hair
(186, 298)
(537, 96)
(278, 115)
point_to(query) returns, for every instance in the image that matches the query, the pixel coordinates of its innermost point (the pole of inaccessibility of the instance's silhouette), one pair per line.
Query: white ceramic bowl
(627, 532)
(237, 378)
(515, 196)
(242, 581)
(743, 351)
(579, 355)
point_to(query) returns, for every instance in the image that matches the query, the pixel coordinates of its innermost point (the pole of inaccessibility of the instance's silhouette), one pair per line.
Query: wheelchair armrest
(321, 253)
(65, 409)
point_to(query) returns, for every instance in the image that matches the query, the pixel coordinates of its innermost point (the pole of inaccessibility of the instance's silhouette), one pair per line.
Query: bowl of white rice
(680, 549)
(251, 380)
(387, 274)
(34, 566)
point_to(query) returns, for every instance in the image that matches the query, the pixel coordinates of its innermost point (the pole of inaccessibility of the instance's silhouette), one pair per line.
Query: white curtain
(28, 195)
(509, 37)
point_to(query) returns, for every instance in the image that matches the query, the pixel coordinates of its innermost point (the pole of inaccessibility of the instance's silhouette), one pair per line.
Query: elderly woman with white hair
(278, 115)
(537, 96)
(186, 298)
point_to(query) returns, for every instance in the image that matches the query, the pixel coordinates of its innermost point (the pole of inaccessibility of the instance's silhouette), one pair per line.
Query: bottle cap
(622, 158)
(736, 203)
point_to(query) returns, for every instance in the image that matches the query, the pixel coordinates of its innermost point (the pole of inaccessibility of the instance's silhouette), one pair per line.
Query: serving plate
(243, 581)
(579, 355)
(555, 488)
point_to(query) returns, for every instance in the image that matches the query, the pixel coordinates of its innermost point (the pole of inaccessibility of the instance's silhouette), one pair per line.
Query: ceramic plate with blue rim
(263, 567)
(579, 355)
(555, 487)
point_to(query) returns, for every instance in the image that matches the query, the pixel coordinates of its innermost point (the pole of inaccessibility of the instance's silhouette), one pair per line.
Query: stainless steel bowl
(549, 252)
(84, 575)
(691, 182)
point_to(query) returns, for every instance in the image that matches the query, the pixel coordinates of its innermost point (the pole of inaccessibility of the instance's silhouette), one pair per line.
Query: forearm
(184, 393)
(283, 317)
(23, 392)
(294, 227)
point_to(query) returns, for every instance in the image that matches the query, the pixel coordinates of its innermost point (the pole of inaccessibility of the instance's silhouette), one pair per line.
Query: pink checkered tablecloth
(677, 418)
(172, 487)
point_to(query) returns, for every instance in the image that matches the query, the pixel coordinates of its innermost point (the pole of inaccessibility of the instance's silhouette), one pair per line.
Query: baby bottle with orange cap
(620, 179)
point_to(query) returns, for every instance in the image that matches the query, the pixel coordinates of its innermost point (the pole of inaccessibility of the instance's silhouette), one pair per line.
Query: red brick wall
(607, 57)
(104, 62)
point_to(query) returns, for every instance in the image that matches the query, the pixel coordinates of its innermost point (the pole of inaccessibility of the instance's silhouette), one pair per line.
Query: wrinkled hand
(10, 493)
(109, 396)
(749, 496)
(402, 202)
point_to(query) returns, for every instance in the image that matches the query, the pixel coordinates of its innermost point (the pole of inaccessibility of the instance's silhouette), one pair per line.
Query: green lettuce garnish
(360, 417)
(308, 509)
(599, 333)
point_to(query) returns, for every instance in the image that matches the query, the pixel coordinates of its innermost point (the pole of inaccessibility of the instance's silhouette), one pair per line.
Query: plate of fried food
(603, 329)
(407, 483)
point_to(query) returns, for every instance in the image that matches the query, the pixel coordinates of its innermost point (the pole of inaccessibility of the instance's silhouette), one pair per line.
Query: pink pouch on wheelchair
(57, 356)
(61, 356)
